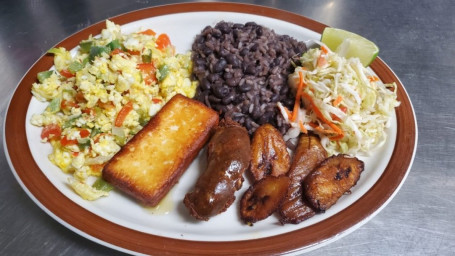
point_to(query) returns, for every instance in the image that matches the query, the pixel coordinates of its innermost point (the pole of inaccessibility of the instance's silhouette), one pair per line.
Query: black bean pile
(242, 71)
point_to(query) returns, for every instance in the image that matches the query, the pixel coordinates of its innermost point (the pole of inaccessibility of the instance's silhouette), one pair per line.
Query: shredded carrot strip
(337, 101)
(344, 109)
(373, 78)
(319, 129)
(335, 117)
(314, 125)
(297, 98)
(325, 131)
(328, 131)
(319, 114)
(324, 49)
(289, 113)
(314, 107)
(321, 61)
(338, 137)
(302, 127)
(336, 129)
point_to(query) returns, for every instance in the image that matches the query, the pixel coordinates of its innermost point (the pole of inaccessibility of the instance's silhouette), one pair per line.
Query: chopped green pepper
(94, 132)
(97, 51)
(114, 44)
(54, 105)
(143, 117)
(103, 185)
(147, 56)
(54, 50)
(120, 140)
(85, 61)
(164, 71)
(85, 46)
(75, 66)
(70, 122)
(44, 75)
(70, 92)
(83, 143)
(98, 111)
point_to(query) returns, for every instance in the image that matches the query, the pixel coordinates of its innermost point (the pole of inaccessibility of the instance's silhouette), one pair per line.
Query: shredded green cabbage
(348, 96)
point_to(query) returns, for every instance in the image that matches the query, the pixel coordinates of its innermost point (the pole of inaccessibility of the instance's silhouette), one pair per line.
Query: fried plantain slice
(296, 210)
(308, 155)
(269, 155)
(334, 177)
(263, 198)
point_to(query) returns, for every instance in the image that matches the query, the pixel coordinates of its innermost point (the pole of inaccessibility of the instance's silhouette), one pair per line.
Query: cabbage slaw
(346, 104)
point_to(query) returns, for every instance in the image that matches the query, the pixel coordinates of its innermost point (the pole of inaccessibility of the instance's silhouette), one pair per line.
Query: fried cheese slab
(151, 163)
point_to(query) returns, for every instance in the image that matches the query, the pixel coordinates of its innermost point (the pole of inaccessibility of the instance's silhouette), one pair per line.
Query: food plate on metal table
(131, 227)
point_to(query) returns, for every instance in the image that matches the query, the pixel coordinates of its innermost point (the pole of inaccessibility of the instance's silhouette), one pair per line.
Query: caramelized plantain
(296, 209)
(263, 198)
(269, 155)
(309, 154)
(334, 177)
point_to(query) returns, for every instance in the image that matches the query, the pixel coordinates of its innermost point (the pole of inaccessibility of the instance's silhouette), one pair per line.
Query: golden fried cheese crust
(151, 163)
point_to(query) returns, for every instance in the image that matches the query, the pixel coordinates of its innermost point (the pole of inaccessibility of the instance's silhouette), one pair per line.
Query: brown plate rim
(50, 199)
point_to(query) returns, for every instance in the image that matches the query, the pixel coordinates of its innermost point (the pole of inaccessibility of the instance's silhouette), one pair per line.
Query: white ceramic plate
(172, 222)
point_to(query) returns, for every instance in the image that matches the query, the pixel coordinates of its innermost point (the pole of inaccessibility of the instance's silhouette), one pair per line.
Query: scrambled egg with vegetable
(102, 95)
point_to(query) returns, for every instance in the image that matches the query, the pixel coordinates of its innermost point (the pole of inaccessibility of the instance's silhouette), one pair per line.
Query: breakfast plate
(121, 223)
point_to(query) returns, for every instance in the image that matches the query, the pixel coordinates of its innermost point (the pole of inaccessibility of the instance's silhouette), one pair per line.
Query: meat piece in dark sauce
(228, 156)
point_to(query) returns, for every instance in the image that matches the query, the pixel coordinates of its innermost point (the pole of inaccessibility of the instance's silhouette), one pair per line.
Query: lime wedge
(348, 44)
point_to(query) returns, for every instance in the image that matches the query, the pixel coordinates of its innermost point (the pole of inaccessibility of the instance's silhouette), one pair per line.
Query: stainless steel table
(417, 40)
